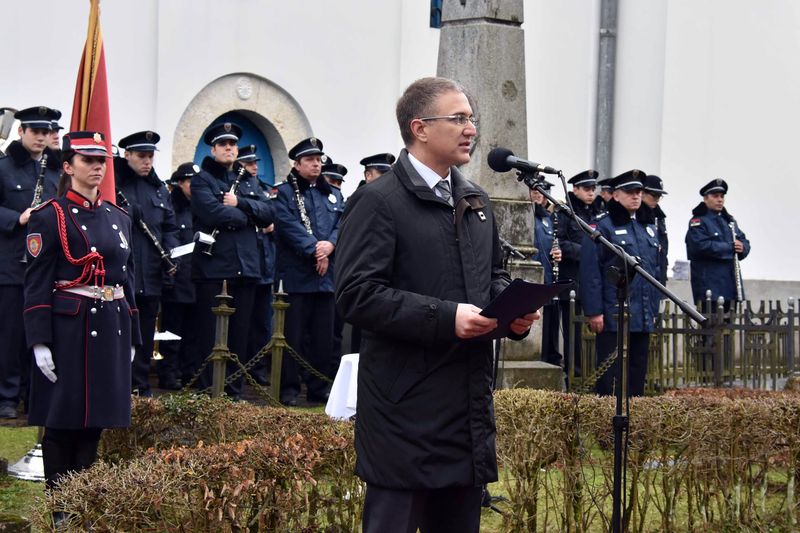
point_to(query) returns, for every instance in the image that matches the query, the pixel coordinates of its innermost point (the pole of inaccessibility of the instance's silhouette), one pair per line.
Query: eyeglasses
(461, 120)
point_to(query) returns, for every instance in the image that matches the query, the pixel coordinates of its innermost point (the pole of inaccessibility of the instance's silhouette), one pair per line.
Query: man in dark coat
(234, 256)
(651, 196)
(19, 172)
(711, 244)
(418, 258)
(570, 239)
(307, 231)
(631, 228)
(142, 193)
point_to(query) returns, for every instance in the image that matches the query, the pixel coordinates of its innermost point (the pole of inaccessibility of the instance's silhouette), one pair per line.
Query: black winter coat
(570, 239)
(180, 287)
(425, 413)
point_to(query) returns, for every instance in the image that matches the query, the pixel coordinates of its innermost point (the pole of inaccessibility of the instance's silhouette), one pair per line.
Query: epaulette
(41, 205)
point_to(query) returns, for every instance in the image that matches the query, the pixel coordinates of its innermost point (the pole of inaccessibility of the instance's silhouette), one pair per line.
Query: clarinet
(737, 269)
(234, 188)
(555, 246)
(39, 189)
(171, 267)
(301, 205)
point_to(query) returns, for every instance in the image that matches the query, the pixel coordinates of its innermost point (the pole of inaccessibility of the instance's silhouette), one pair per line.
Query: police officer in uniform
(80, 315)
(632, 229)
(148, 202)
(307, 212)
(333, 173)
(234, 255)
(604, 194)
(375, 166)
(19, 172)
(543, 234)
(570, 239)
(653, 191)
(710, 246)
(177, 294)
(261, 329)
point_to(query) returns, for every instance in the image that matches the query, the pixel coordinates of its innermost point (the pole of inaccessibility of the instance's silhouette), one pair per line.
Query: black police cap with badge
(141, 141)
(306, 147)
(40, 118)
(380, 161)
(605, 184)
(225, 131)
(654, 185)
(247, 154)
(333, 170)
(717, 185)
(630, 180)
(185, 171)
(587, 178)
(88, 143)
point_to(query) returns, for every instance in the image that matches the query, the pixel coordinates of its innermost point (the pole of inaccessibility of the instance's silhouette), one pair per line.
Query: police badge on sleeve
(34, 244)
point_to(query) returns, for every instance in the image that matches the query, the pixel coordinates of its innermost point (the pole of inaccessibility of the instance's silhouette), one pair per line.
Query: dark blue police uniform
(18, 177)
(150, 203)
(178, 294)
(235, 256)
(655, 186)
(310, 317)
(638, 237)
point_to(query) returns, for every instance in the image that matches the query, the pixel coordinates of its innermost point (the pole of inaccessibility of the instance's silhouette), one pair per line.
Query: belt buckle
(108, 293)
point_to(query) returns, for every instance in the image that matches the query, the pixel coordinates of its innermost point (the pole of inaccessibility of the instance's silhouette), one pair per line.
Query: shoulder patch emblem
(34, 244)
(694, 222)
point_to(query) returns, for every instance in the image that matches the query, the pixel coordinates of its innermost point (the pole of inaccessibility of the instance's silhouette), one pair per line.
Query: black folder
(519, 298)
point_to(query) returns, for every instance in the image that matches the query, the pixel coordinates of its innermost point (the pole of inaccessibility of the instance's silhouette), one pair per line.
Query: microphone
(509, 248)
(503, 160)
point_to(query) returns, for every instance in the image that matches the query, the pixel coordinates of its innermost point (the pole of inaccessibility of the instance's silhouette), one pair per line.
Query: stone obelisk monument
(482, 45)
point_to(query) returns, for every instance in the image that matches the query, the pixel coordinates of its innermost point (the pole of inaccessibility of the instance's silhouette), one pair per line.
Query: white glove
(133, 353)
(44, 360)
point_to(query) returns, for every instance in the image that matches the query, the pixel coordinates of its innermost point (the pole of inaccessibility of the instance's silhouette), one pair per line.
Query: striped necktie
(444, 190)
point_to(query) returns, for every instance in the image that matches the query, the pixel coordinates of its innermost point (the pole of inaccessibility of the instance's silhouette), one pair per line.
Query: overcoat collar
(124, 174)
(620, 216)
(411, 179)
(702, 210)
(303, 184)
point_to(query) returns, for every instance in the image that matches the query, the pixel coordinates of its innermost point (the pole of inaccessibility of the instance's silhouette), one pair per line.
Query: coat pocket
(66, 305)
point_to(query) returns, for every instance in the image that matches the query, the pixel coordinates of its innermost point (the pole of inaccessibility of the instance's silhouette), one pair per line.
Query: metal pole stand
(220, 354)
(279, 305)
(31, 466)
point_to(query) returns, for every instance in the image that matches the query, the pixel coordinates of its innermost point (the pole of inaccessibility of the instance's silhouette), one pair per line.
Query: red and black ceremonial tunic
(90, 338)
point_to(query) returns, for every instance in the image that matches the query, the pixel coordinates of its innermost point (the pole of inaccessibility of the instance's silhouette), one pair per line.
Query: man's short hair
(418, 99)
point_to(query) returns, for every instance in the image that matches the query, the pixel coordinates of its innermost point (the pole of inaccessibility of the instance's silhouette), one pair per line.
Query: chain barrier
(589, 383)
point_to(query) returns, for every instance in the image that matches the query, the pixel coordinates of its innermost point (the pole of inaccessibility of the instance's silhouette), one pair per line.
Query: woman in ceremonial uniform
(80, 316)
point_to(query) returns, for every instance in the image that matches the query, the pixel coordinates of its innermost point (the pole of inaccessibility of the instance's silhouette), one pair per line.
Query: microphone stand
(621, 277)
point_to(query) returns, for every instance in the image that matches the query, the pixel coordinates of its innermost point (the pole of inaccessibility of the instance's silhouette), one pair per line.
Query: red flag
(90, 107)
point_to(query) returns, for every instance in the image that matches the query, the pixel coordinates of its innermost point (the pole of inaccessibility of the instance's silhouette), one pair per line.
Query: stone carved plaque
(244, 87)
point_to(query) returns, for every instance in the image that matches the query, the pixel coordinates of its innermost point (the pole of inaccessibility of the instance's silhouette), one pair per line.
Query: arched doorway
(251, 134)
(271, 111)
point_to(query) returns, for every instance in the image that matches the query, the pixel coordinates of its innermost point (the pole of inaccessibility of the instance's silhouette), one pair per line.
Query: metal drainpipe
(607, 66)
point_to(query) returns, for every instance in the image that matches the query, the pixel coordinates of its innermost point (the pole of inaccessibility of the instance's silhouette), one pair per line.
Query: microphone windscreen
(498, 159)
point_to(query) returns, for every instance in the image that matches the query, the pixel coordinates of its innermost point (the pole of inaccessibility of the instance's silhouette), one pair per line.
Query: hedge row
(713, 462)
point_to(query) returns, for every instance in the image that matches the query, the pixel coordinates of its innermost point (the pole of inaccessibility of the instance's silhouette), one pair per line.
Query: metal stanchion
(279, 305)
(220, 354)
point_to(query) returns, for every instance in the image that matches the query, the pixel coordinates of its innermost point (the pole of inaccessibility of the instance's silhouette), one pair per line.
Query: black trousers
(451, 510)
(68, 450)
(243, 292)
(148, 311)
(550, 334)
(178, 362)
(638, 347)
(260, 331)
(15, 358)
(309, 331)
(564, 306)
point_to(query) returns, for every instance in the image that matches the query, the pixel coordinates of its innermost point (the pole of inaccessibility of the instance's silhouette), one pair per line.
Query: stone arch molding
(279, 117)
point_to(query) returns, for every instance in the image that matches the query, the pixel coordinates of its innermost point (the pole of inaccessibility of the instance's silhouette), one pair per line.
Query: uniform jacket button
(93, 334)
(83, 228)
(93, 249)
(119, 332)
(93, 310)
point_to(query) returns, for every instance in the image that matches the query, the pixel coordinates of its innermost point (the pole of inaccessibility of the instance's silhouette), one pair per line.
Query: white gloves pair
(44, 360)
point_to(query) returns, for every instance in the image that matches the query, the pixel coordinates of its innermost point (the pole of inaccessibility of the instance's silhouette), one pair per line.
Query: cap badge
(313, 141)
(149, 135)
(227, 127)
(97, 138)
(196, 169)
(635, 173)
(718, 181)
(324, 159)
(42, 110)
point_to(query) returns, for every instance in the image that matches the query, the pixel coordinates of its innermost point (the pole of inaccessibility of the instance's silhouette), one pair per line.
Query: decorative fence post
(278, 342)
(220, 354)
(719, 342)
(572, 340)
